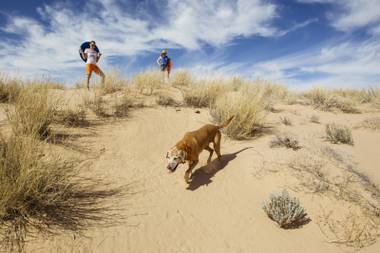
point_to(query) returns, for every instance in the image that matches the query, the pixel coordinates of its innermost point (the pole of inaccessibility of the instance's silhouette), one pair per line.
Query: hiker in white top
(92, 57)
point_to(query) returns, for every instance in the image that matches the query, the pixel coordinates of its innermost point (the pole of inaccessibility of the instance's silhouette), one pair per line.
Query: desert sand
(219, 211)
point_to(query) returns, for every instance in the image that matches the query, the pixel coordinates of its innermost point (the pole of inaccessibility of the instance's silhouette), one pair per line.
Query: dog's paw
(187, 178)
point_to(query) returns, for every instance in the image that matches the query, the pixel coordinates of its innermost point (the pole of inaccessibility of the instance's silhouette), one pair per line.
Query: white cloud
(352, 14)
(52, 47)
(350, 64)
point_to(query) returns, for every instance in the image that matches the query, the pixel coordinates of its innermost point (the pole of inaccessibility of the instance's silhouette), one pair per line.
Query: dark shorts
(164, 68)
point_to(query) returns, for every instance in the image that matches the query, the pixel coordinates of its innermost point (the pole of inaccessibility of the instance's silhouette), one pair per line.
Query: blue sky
(300, 43)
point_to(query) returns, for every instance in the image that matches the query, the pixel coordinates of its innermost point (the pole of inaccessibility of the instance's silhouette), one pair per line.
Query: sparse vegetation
(32, 113)
(285, 140)
(285, 210)
(122, 107)
(41, 194)
(339, 134)
(9, 88)
(203, 95)
(113, 83)
(247, 105)
(147, 82)
(166, 100)
(182, 78)
(72, 118)
(97, 105)
(371, 123)
(329, 100)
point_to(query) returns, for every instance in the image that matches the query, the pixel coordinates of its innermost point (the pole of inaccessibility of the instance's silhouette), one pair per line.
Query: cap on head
(163, 51)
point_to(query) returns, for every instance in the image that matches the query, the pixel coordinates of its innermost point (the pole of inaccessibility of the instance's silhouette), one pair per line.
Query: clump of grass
(285, 210)
(122, 107)
(339, 134)
(33, 112)
(41, 193)
(181, 78)
(371, 123)
(97, 105)
(72, 118)
(203, 95)
(113, 83)
(285, 140)
(147, 82)
(248, 107)
(329, 100)
(314, 119)
(9, 88)
(286, 121)
(368, 95)
(166, 100)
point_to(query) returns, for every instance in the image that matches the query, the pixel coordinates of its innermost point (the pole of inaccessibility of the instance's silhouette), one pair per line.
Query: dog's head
(175, 156)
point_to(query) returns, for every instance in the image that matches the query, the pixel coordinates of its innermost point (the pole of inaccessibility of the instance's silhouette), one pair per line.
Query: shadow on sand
(200, 177)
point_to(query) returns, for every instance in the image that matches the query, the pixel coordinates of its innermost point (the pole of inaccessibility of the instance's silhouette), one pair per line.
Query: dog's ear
(183, 155)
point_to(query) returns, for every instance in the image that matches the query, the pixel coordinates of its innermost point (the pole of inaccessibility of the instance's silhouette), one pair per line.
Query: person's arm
(159, 61)
(97, 58)
(84, 54)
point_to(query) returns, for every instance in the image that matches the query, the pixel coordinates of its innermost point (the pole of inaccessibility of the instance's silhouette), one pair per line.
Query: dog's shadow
(201, 177)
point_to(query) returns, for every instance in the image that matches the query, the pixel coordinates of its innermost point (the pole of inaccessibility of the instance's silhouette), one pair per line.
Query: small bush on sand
(285, 140)
(165, 100)
(339, 134)
(286, 121)
(147, 82)
(33, 112)
(371, 123)
(285, 210)
(43, 194)
(181, 78)
(72, 118)
(9, 89)
(248, 107)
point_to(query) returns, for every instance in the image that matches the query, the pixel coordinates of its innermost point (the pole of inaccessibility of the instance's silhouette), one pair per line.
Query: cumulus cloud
(51, 46)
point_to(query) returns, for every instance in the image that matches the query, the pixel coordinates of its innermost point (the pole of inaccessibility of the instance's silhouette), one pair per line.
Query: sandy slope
(217, 212)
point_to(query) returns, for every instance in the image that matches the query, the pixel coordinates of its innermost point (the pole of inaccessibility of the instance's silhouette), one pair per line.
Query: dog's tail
(225, 123)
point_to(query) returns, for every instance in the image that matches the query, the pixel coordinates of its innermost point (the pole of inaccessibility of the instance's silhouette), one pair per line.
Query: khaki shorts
(92, 68)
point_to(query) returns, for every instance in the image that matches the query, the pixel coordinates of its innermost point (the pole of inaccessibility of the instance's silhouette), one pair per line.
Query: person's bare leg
(163, 76)
(88, 81)
(103, 76)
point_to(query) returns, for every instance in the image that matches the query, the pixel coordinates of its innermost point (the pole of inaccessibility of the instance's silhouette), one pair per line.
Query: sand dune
(219, 211)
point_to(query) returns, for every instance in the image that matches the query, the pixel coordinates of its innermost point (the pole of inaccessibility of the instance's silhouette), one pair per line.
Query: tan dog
(192, 144)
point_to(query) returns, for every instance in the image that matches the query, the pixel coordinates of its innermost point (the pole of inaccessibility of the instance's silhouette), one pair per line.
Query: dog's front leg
(192, 164)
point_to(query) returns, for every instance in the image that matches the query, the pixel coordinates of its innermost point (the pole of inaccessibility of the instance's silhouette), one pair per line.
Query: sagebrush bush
(41, 194)
(147, 82)
(182, 78)
(33, 112)
(285, 210)
(248, 107)
(339, 134)
(285, 140)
